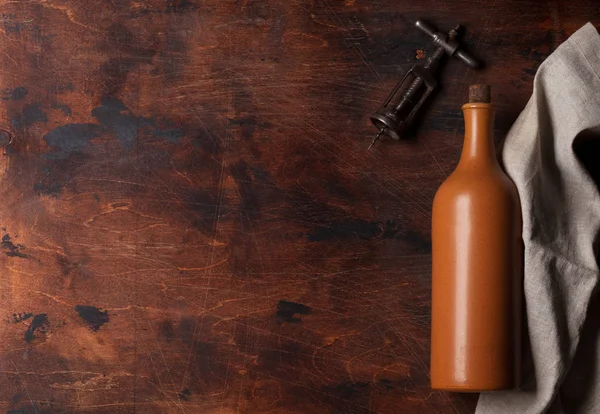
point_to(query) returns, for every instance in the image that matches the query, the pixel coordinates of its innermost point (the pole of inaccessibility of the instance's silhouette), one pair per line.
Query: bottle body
(476, 268)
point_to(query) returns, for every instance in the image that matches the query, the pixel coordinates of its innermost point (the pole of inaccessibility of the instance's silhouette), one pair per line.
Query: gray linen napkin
(549, 153)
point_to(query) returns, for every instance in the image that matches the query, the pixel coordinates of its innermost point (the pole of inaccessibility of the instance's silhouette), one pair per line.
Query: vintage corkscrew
(409, 95)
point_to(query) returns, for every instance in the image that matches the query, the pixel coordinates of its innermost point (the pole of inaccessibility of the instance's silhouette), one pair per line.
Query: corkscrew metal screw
(399, 109)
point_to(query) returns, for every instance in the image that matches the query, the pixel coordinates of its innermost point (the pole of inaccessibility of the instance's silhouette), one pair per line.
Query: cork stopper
(480, 93)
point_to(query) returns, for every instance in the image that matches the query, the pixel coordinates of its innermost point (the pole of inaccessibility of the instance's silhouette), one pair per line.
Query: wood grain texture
(191, 222)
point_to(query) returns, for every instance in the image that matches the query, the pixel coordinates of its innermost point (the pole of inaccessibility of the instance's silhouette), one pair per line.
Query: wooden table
(190, 220)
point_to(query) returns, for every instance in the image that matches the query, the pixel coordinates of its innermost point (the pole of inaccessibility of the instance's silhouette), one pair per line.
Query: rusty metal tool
(399, 109)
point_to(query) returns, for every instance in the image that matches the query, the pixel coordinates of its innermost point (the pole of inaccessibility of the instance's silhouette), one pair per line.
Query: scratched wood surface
(190, 220)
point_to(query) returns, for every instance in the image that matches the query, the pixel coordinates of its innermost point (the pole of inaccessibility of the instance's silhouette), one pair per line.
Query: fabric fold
(561, 225)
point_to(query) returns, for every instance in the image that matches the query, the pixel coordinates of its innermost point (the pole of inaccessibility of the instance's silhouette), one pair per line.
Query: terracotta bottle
(477, 265)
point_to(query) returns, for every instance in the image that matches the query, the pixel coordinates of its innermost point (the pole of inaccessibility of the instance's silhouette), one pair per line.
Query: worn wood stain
(191, 222)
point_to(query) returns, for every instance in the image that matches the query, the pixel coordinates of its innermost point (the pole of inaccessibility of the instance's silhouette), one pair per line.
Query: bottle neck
(478, 147)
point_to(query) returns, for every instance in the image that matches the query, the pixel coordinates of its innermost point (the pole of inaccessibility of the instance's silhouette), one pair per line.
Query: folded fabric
(549, 153)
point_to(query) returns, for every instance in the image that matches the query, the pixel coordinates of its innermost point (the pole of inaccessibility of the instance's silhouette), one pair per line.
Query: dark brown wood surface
(190, 220)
